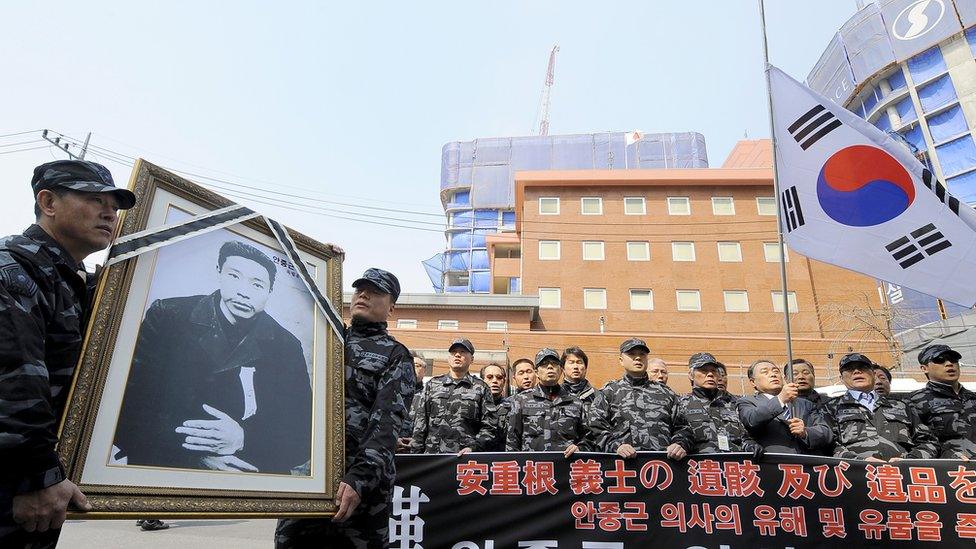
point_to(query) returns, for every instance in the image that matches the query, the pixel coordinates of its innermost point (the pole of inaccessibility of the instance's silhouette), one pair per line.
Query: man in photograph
(45, 302)
(216, 382)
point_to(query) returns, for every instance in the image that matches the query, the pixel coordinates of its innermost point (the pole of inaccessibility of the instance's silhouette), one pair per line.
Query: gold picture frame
(118, 490)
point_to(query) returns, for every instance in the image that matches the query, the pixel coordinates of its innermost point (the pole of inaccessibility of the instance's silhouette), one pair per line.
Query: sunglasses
(944, 360)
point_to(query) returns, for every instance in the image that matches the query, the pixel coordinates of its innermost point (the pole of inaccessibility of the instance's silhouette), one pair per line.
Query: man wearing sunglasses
(870, 426)
(948, 408)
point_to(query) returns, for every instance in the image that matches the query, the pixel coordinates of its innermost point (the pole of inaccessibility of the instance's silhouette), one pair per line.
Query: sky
(345, 106)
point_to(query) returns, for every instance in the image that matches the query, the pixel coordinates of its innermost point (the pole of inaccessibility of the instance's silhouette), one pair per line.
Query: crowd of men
(553, 407)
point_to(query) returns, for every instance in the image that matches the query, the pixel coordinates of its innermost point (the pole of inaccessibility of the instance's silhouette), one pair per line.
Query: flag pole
(779, 207)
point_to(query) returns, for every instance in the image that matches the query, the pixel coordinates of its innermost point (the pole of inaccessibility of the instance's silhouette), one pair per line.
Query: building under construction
(478, 189)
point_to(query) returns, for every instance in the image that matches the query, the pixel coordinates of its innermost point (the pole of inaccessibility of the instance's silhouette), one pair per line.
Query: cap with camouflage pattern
(384, 280)
(546, 354)
(634, 343)
(934, 351)
(82, 176)
(698, 360)
(850, 360)
(462, 342)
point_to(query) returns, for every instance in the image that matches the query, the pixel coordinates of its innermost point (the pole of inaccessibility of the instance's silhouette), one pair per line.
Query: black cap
(384, 280)
(546, 353)
(933, 351)
(81, 176)
(698, 360)
(463, 343)
(632, 344)
(851, 359)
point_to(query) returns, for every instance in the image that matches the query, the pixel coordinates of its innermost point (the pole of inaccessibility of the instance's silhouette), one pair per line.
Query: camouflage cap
(82, 176)
(462, 342)
(698, 360)
(851, 360)
(634, 343)
(546, 354)
(384, 280)
(934, 351)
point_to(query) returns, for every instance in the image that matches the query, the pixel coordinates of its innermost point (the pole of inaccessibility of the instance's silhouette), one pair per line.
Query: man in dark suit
(216, 383)
(773, 422)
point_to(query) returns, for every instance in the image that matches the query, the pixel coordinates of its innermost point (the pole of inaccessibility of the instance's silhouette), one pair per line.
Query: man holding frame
(45, 303)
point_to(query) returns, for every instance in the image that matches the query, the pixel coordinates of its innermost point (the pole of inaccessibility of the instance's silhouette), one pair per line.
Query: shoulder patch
(15, 279)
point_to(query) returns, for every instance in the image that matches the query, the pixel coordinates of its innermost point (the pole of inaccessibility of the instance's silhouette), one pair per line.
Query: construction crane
(547, 93)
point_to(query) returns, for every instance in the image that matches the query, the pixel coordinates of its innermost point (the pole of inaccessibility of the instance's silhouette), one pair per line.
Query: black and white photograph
(234, 394)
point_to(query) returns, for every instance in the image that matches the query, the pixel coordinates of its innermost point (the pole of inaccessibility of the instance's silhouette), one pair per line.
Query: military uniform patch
(15, 279)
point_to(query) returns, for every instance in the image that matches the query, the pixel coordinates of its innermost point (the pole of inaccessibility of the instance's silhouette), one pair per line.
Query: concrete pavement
(182, 534)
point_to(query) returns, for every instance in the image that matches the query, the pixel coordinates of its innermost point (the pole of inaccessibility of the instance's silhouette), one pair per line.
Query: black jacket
(183, 360)
(762, 417)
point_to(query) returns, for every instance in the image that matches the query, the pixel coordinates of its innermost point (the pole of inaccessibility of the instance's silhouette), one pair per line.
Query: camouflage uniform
(538, 423)
(407, 429)
(582, 389)
(710, 414)
(379, 382)
(454, 414)
(891, 430)
(44, 308)
(501, 407)
(950, 416)
(639, 412)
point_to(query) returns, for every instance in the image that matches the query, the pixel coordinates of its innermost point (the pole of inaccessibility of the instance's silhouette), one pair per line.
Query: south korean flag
(853, 197)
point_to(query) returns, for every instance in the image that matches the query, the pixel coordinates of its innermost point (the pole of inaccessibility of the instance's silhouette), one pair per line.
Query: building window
(778, 302)
(406, 324)
(638, 251)
(593, 251)
(766, 205)
(736, 301)
(550, 298)
(729, 252)
(591, 205)
(497, 326)
(548, 250)
(634, 205)
(688, 300)
(679, 205)
(549, 206)
(594, 298)
(642, 300)
(771, 251)
(683, 251)
(723, 205)
(448, 324)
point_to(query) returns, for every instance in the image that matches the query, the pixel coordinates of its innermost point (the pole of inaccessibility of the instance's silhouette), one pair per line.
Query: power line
(18, 133)
(236, 194)
(202, 176)
(21, 143)
(25, 150)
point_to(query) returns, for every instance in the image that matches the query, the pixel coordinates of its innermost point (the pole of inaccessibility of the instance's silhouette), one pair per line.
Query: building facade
(477, 188)
(908, 68)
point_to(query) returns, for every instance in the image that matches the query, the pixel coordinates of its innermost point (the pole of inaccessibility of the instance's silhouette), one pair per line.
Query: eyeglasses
(944, 360)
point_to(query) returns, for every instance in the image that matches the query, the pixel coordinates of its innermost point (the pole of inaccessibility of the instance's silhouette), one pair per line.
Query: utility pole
(65, 145)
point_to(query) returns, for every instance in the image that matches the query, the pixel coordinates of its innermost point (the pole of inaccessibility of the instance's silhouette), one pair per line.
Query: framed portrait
(211, 379)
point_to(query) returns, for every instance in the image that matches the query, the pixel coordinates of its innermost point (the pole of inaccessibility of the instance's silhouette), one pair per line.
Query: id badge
(723, 441)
